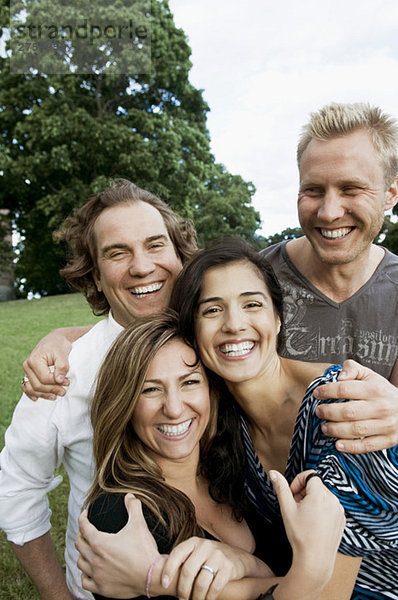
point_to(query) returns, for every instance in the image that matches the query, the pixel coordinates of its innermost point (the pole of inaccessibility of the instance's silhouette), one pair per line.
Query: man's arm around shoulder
(369, 421)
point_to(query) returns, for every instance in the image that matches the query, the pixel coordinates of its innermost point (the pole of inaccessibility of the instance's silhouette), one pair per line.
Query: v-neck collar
(307, 283)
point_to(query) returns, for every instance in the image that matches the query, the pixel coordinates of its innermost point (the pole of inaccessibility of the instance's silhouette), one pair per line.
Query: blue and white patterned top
(366, 485)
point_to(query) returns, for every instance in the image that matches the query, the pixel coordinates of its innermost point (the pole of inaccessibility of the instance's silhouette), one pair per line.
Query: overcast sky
(265, 65)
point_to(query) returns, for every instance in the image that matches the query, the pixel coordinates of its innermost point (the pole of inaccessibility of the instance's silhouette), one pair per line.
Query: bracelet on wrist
(268, 594)
(149, 575)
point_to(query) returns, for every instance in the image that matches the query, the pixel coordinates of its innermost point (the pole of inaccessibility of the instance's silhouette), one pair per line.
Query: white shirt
(46, 434)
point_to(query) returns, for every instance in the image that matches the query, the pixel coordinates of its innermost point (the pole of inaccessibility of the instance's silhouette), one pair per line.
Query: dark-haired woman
(233, 313)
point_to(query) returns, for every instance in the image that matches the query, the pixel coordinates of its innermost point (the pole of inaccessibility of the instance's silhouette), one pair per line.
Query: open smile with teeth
(143, 291)
(239, 349)
(174, 430)
(334, 234)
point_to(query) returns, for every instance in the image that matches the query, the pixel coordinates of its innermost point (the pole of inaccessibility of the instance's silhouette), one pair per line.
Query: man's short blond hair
(339, 119)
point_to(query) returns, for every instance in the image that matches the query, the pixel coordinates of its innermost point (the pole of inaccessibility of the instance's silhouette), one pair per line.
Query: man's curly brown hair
(78, 231)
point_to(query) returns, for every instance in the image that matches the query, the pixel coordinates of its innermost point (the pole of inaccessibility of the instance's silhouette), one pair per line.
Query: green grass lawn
(22, 324)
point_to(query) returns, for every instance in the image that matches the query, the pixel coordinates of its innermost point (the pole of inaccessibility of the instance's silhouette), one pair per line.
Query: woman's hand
(314, 522)
(196, 582)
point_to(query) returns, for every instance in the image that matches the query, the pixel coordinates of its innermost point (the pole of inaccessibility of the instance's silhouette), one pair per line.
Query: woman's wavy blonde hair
(122, 461)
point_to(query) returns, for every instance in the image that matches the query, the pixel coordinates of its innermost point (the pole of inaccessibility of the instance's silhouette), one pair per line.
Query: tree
(226, 208)
(389, 234)
(7, 291)
(64, 136)
(290, 233)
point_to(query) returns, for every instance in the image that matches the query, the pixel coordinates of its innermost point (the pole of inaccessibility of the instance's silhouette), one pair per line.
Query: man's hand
(46, 368)
(369, 421)
(116, 565)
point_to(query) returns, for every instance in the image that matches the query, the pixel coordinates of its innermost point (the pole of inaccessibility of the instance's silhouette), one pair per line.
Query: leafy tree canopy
(389, 234)
(64, 136)
(290, 233)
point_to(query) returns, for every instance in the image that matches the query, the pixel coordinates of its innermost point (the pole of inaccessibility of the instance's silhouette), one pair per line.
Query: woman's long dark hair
(225, 463)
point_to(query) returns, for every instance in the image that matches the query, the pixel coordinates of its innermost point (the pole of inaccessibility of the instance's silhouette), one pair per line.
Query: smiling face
(236, 325)
(342, 196)
(137, 264)
(173, 409)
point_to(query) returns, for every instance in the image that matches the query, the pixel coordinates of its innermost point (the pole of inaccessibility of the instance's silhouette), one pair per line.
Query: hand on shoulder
(369, 420)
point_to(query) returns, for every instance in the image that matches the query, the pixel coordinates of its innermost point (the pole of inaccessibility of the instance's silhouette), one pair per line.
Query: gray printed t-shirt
(363, 327)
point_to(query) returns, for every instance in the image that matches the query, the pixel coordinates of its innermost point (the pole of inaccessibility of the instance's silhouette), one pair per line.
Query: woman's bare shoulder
(304, 372)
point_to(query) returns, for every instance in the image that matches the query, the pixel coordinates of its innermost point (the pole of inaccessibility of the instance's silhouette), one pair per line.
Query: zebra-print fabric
(366, 485)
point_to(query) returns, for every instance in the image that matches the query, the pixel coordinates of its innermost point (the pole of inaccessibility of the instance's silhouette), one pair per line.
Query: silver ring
(207, 568)
(25, 380)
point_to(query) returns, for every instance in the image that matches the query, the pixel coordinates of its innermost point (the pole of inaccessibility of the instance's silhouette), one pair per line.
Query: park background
(212, 129)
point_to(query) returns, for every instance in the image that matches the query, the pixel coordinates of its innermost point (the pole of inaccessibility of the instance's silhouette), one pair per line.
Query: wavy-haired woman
(154, 418)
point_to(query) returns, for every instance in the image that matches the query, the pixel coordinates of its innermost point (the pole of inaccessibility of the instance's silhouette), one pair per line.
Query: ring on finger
(310, 476)
(207, 568)
(25, 380)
